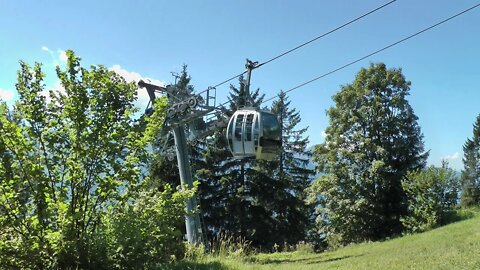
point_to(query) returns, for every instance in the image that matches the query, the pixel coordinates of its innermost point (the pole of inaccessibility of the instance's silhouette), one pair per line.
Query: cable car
(252, 132)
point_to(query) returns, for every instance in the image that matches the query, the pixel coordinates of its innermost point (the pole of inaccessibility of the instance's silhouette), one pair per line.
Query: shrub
(431, 194)
(304, 248)
(145, 232)
(195, 252)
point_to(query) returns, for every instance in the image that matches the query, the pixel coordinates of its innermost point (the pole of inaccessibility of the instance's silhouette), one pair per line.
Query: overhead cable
(378, 51)
(326, 33)
(302, 45)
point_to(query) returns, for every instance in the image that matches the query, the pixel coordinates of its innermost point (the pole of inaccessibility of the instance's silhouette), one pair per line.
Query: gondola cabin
(254, 133)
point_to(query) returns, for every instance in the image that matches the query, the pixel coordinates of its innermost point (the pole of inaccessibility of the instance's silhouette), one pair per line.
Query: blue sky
(150, 39)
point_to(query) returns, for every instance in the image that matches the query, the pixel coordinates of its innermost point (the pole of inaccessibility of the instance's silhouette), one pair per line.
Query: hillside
(455, 246)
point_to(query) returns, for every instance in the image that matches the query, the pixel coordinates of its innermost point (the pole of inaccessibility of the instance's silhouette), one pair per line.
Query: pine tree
(287, 177)
(471, 172)
(223, 193)
(259, 201)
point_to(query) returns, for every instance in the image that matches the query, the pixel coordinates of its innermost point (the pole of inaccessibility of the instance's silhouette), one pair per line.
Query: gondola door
(242, 138)
(248, 142)
(237, 136)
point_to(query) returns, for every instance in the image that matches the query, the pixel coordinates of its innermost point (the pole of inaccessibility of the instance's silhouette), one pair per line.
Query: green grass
(455, 246)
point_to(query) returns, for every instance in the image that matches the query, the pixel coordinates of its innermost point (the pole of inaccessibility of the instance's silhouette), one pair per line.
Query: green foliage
(471, 171)
(286, 178)
(225, 187)
(164, 169)
(373, 139)
(261, 202)
(207, 264)
(431, 193)
(304, 248)
(459, 214)
(71, 167)
(195, 252)
(142, 233)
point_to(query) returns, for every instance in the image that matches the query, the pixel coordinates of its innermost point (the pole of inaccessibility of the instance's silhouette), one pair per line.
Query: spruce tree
(224, 181)
(286, 178)
(259, 201)
(471, 172)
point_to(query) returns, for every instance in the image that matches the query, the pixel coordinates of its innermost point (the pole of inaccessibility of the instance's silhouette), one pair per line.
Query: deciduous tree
(373, 139)
(68, 160)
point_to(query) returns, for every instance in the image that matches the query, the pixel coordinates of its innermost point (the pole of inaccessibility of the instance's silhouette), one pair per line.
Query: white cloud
(62, 56)
(58, 88)
(454, 156)
(59, 57)
(131, 76)
(6, 95)
(127, 75)
(46, 49)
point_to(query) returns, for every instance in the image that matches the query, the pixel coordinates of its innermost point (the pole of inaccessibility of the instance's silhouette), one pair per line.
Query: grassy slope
(456, 246)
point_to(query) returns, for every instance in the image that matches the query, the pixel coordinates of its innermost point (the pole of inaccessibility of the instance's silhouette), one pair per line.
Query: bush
(431, 194)
(195, 252)
(144, 233)
(459, 214)
(304, 248)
